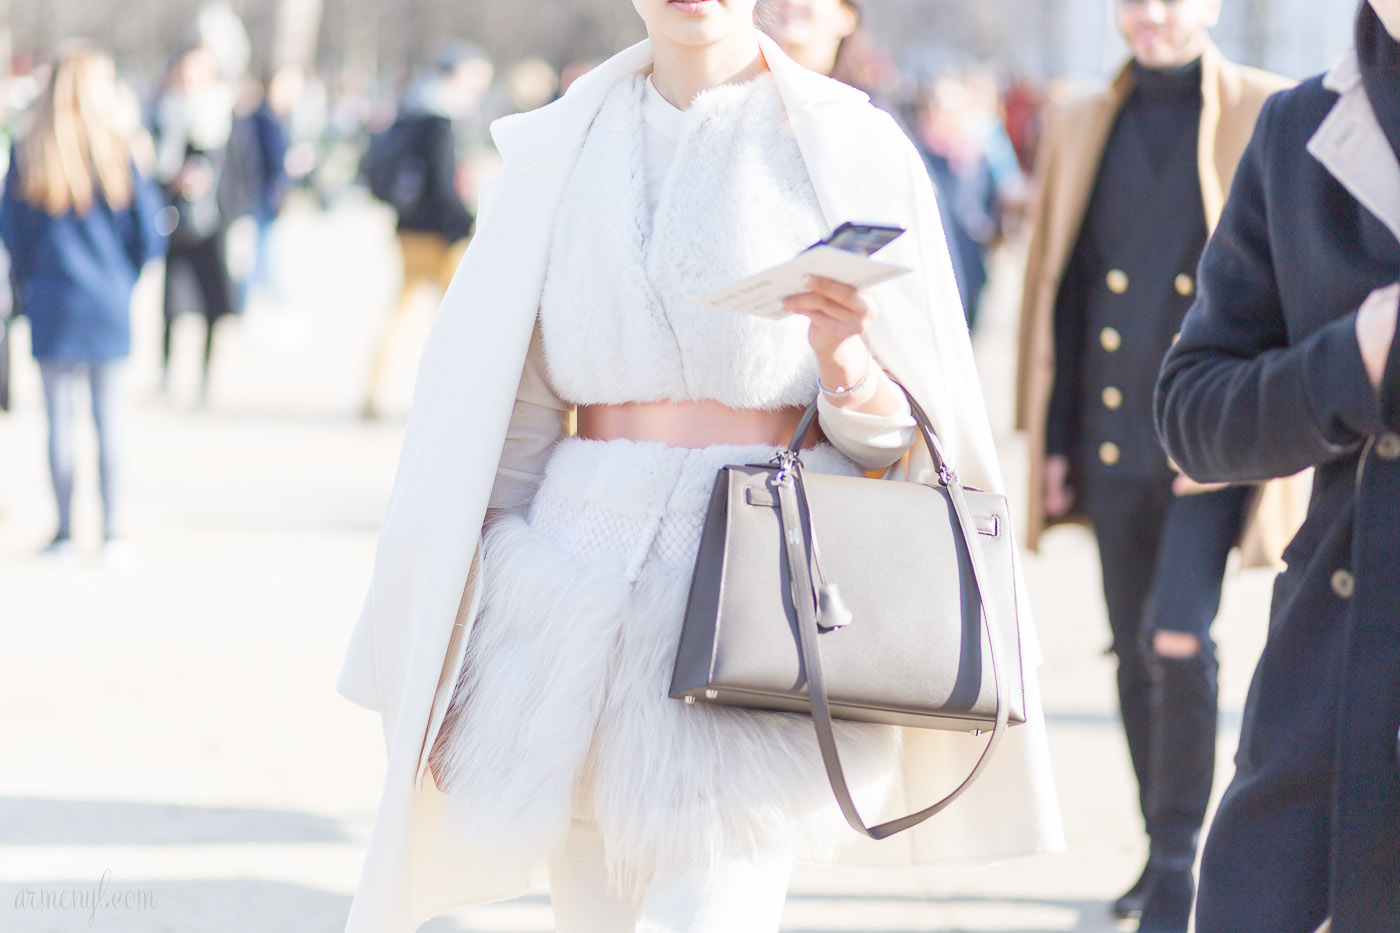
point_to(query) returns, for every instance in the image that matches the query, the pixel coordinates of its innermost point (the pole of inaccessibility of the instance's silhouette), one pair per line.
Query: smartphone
(861, 238)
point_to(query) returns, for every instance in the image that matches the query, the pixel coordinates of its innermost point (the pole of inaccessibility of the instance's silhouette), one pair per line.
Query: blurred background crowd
(241, 111)
(286, 188)
(234, 113)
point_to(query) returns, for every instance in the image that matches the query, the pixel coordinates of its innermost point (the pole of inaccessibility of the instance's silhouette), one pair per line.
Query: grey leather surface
(915, 652)
(858, 599)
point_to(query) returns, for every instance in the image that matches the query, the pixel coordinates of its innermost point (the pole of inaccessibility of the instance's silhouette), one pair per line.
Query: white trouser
(738, 896)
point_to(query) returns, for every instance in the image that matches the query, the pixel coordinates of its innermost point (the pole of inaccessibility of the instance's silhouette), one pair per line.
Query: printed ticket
(762, 294)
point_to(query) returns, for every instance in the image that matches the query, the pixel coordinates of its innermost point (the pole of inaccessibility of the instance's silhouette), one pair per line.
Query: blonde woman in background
(79, 223)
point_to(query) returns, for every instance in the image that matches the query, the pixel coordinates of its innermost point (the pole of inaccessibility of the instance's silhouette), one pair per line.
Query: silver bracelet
(844, 391)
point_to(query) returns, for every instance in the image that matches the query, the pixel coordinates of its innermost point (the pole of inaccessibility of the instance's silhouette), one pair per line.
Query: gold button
(1388, 446)
(1112, 398)
(1175, 338)
(1117, 281)
(1109, 453)
(1110, 339)
(1343, 584)
(1185, 285)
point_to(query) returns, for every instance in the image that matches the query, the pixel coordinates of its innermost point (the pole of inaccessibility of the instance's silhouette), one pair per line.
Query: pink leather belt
(690, 424)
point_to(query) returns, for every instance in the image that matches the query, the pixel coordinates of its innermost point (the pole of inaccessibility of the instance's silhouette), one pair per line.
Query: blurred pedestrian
(8, 313)
(1022, 107)
(193, 129)
(79, 221)
(953, 137)
(813, 32)
(1125, 207)
(415, 165)
(531, 83)
(829, 37)
(535, 735)
(1289, 360)
(263, 135)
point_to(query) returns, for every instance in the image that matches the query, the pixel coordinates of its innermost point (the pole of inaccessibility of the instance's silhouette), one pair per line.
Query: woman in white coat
(529, 584)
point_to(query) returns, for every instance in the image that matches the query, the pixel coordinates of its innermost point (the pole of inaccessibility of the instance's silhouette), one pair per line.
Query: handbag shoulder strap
(799, 542)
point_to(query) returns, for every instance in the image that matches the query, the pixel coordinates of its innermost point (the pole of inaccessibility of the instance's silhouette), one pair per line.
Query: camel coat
(1067, 169)
(407, 648)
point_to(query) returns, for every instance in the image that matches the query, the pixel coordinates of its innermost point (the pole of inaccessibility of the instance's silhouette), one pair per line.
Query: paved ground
(169, 729)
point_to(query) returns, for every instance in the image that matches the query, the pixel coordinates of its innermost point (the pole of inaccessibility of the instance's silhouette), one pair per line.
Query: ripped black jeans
(1163, 561)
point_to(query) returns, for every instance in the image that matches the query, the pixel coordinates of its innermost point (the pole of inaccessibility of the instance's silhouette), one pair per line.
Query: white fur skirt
(561, 710)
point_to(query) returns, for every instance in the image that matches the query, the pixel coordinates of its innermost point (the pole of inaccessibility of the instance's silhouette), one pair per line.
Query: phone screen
(862, 238)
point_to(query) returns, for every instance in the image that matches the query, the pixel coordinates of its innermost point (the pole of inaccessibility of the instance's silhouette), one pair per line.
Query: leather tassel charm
(831, 609)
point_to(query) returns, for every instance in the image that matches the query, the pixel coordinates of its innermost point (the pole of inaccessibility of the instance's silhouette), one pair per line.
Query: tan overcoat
(1066, 171)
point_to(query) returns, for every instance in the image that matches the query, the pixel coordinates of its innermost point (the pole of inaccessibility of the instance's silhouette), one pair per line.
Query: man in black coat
(1288, 360)
(1130, 188)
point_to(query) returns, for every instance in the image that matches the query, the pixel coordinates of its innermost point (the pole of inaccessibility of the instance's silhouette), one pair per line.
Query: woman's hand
(839, 316)
(1375, 330)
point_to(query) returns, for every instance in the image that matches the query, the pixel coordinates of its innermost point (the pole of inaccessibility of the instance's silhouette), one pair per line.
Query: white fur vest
(618, 316)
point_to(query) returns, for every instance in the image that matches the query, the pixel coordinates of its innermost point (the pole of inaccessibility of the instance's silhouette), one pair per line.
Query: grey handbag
(931, 636)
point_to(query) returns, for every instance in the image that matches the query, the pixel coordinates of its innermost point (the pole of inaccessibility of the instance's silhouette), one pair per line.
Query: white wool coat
(407, 646)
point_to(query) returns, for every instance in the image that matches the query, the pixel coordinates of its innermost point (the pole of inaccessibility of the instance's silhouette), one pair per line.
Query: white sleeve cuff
(872, 441)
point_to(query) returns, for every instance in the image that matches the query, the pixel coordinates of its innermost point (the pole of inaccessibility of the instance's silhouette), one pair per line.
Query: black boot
(1184, 700)
(1130, 904)
(1135, 706)
(1166, 908)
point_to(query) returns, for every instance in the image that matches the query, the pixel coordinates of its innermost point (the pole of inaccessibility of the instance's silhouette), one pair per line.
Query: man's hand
(1059, 495)
(1375, 330)
(1184, 485)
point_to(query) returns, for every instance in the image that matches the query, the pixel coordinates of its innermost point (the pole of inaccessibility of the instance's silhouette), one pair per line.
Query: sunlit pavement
(171, 737)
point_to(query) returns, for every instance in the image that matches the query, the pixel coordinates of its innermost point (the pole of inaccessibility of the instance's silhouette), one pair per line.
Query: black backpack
(394, 167)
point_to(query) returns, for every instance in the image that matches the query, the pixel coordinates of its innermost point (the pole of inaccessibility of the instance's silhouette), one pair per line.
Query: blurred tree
(1260, 19)
(381, 41)
(298, 29)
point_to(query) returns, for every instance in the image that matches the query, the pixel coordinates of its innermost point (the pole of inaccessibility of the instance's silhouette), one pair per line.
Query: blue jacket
(271, 165)
(73, 273)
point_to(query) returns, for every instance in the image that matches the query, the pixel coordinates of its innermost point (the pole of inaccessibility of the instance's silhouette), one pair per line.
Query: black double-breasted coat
(1268, 379)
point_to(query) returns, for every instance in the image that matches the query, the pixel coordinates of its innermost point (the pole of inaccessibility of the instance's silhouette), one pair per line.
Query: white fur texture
(618, 314)
(564, 687)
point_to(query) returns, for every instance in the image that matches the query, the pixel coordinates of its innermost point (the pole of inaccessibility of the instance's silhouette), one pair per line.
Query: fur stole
(618, 314)
(561, 710)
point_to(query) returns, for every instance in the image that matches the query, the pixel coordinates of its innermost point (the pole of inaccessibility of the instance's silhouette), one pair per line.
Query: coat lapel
(804, 95)
(1082, 172)
(1351, 145)
(1213, 75)
(558, 129)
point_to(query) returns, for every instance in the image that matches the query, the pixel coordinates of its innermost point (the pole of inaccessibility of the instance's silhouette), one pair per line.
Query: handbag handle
(935, 449)
(820, 599)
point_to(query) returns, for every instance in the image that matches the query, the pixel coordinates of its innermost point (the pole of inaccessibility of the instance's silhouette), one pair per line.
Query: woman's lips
(693, 6)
